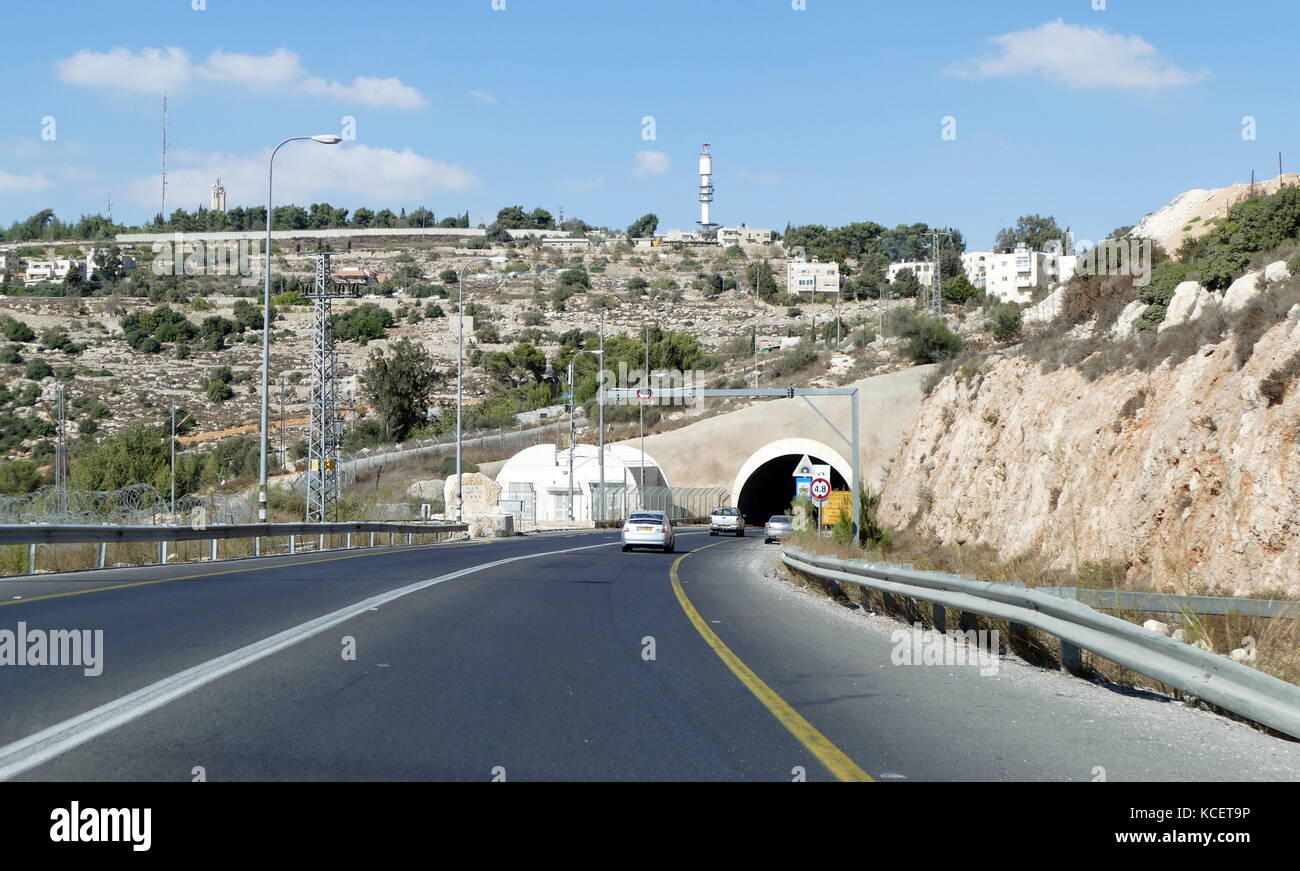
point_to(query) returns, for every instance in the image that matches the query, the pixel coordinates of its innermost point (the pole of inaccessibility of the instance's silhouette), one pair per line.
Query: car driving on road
(728, 520)
(648, 529)
(777, 528)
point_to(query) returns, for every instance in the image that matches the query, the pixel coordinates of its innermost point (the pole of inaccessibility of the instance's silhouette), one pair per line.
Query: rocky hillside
(1194, 213)
(1185, 472)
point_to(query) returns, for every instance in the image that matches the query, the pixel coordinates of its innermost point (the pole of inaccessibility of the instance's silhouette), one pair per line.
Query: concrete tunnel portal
(765, 484)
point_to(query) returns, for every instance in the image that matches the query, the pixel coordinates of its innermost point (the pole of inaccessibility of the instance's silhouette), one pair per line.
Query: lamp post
(573, 412)
(263, 434)
(460, 346)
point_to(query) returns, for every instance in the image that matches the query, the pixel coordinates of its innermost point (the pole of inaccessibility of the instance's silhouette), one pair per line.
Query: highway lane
(540, 668)
(571, 666)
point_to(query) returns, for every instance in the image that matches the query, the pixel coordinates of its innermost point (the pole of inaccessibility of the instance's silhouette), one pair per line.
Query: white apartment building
(812, 276)
(1013, 276)
(742, 235)
(41, 271)
(922, 269)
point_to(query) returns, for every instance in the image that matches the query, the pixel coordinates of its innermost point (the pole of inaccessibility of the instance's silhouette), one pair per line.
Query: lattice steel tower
(326, 427)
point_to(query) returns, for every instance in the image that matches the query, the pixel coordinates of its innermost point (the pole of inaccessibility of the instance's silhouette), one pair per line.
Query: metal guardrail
(1216, 679)
(37, 534)
(1165, 603)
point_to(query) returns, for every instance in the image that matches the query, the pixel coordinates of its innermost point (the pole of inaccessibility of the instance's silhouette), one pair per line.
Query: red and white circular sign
(645, 394)
(819, 489)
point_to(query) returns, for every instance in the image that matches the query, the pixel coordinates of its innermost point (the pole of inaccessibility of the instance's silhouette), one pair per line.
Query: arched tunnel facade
(765, 484)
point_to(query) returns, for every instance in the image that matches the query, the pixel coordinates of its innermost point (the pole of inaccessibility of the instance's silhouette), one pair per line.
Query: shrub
(219, 391)
(16, 330)
(37, 369)
(363, 323)
(932, 341)
(10, 354)
(1275, 386)
(1008, 321)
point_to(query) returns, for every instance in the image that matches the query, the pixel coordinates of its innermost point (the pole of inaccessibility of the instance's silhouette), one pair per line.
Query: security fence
(679, 503)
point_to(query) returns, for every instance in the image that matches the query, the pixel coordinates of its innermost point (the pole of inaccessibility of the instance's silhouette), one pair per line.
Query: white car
(648, 529)
(728, 520)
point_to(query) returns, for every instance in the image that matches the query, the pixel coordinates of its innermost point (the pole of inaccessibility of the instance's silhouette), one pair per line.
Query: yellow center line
(835, 759)
(226, 572)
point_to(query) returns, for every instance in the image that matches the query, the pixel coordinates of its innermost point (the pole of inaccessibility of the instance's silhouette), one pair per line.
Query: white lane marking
(27, 753)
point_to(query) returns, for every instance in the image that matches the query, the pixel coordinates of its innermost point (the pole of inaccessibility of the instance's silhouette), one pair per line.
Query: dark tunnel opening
(770, 489)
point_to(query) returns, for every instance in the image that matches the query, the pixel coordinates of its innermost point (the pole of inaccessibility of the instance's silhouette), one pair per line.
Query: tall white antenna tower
(706, 187)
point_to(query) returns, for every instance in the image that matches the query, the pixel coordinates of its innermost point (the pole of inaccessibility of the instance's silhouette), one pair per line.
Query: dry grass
(1275, 641)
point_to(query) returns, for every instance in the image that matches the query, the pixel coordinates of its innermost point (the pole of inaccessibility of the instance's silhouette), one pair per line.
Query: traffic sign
(645, 394)
(819, 490)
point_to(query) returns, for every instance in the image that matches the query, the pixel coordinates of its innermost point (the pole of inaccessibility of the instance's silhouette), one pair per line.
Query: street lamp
(460, 346)
(323, 139)
(573, 411)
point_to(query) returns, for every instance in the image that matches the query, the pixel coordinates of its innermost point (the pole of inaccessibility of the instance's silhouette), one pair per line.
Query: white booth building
(538, 478)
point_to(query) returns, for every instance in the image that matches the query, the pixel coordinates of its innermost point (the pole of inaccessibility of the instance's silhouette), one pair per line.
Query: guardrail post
(292, 545)
(320, 543)
(214, 550)
(372, 539)
(162, 553)
(31, 558)
(257, 545)
(1071, 659)
(347, 541)
(102, 555)
(940, 619)
(1019, 635)
(409, 538)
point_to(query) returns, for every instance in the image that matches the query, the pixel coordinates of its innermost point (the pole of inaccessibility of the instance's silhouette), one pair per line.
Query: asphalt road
(551, 657)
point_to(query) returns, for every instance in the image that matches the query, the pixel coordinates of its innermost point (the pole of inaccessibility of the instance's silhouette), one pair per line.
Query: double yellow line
(835, 759)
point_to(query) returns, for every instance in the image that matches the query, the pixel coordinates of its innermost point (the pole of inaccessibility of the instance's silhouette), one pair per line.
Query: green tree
(1032, 231)
(643, 226)
(18, 477)
(400, 386)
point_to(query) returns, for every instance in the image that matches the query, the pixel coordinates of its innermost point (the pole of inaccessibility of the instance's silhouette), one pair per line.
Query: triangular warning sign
(803, 468)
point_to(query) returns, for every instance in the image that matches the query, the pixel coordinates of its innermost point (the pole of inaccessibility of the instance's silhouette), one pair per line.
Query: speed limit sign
(819, 489)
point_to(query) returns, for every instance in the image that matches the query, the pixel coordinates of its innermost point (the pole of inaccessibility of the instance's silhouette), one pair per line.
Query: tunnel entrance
(769, 488)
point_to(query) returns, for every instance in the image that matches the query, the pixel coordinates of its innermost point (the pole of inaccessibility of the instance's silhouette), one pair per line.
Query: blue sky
(827, 114)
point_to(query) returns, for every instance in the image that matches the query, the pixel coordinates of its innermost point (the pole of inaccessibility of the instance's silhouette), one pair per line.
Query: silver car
(777, 528)
(649, 529)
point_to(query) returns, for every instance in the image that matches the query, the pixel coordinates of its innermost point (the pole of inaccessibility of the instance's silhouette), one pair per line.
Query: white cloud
(153, 70)
(766, 179)
(274, 70)
(33, 181)
(381, 93)
(651, 163)
(580, 186)
(150, 71)
(484, 97)
(309, 173)
(1078, 57)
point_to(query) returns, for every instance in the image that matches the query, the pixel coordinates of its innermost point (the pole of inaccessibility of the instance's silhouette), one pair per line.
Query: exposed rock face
(1241, 291)
(1277, 271)
(1183, 475)
(1126, 324)
(1048, 309)
(426, 489)
(1190, 301)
